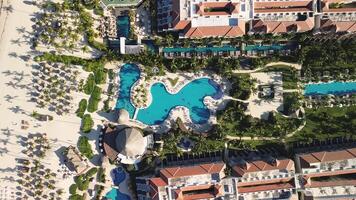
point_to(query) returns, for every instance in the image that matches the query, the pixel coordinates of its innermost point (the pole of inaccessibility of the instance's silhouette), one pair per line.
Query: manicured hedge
(73, 189)
(91, 172)
(94, 99)
(101, 175)
(100, 75)
(87, 123)
(82, 107)
(85, 148)
(89, 84)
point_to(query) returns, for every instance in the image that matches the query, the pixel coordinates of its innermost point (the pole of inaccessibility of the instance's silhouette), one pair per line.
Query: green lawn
(325, 123)
(256, 144)
(290, 76)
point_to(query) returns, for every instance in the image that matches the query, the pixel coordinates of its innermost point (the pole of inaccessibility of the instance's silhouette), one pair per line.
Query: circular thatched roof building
(124, 116)
(130, 142)
(124, 143)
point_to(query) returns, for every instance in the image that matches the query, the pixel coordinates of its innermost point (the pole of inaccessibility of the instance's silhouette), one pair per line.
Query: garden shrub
(82, 107)
(89, 85)
(85, 148)
(87, 123)
(94, 99)
(73, 189)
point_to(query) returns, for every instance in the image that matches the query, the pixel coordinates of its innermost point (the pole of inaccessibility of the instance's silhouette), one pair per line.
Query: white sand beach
(16, 66)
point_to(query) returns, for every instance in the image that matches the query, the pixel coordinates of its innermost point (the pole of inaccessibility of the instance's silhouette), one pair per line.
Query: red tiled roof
(281, 6)
(260, 165)
(216, 190)
(338, 26)
(328, 156)
(340, 10)
(263, 182)
(316, 184)
(282, 26)
(158, 182)
(268, 187)
(181, 24)
(175, 172)
(215, 31)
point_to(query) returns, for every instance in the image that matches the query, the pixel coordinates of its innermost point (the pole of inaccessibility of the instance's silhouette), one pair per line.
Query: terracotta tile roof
(215, 31)
(330, 173)
(274, 10)
(281, 6)
(263, 182)
(282, 26)
(258, 166)
(181, 24)
(316, 184)
(268, 187)
(158, 182)
(328, 156)
(175, 172)
(338, 26)
(340, 10)
(215, 191)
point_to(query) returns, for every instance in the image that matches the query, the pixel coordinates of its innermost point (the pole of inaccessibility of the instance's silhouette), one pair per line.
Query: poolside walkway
(293, 65)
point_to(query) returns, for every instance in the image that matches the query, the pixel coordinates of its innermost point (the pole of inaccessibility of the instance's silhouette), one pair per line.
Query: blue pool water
(190, 96)
(115, 194)
(123, 26)
(336, 88)
(129, 74)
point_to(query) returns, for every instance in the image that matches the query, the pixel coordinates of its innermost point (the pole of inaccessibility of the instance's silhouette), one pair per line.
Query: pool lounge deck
(227, 50)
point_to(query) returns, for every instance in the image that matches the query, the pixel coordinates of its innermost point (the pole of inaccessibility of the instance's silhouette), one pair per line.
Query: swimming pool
(129, 74)
(123, 26)
(119, 176)
(335, 88)
(190, 96)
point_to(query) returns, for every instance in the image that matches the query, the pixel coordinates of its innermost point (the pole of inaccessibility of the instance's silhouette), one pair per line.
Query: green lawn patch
(289, 75)
(325, 123)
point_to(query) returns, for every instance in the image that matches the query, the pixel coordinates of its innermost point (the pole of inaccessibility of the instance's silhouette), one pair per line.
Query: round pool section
(190, 96)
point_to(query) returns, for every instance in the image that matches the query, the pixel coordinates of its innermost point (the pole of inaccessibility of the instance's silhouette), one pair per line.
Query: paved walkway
(292, 90)
(293, 65)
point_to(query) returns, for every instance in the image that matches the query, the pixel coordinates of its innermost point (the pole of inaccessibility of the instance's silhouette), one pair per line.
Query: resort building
(222, 18)
(282, 16)
(328, 174)
(197, 18)
(124, 144)
(203, 181)
(337, 16)
(266, 178)
(74, 160)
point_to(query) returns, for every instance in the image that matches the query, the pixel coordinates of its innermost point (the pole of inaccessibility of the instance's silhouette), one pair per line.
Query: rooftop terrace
(120, 2)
